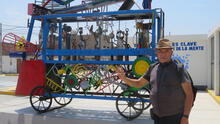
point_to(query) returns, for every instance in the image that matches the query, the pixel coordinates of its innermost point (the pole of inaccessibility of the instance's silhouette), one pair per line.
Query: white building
(214, 61)
(8, 65)
(0, 48)
(192, 51)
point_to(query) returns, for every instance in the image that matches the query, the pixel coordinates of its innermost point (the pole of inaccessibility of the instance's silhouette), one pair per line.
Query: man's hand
(184, 121)
(120, 72)
(138, 83)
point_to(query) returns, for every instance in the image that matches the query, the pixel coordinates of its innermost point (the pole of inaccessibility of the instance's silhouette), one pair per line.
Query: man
(171, 96)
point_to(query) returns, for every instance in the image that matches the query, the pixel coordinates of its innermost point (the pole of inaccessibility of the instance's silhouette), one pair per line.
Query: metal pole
(60, 39)
(30, 30)
(154, 34)
(45, 38)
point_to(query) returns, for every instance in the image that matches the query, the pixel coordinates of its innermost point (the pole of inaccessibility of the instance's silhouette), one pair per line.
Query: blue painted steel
(17, 54)
(122, 12)
(60, 2)
(97, 97)
(30, 30)
(156, 28)
(154, 34)
(101, 52)
(60, 39)
(160, 24)
(162, 21)
(45, 38)
(89, 62)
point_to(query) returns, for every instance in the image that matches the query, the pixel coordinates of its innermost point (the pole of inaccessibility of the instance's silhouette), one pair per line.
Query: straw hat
(164, 44)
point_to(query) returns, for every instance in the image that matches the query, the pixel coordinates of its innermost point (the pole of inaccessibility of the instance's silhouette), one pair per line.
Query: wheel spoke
(122, 104)
(43, 105)
(60, 99)
(129, 111)
(39, 105)
(124, 109)
(48, 101)
(36, 101)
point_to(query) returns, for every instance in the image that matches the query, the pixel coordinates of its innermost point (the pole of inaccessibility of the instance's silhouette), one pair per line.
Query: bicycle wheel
(40, 99)
(64, 100)
(129, 104)
(145, 94)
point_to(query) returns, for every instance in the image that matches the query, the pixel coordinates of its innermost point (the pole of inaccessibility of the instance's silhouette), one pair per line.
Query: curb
(216, 98)
(9, 74)
(7, 92)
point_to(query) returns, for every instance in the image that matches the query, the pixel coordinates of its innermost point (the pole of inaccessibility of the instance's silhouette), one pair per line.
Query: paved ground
(17, 110)
(8, 84)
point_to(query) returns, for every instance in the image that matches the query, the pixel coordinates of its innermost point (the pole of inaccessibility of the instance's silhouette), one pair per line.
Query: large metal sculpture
(81, 48)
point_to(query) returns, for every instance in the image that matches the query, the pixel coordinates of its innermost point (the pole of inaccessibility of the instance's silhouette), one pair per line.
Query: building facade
(192, 51)
(8, 65)
(0, 48)
(214, 60)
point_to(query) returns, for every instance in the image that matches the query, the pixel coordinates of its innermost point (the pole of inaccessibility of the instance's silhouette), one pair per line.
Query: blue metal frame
(122, 12)
(60, 40)
(30, 30)
(95, 97)
(156, 28)
(45, 38)
(153, 35)
(100, 52)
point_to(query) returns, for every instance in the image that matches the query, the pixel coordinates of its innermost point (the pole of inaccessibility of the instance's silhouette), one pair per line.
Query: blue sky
(189, 16)
(181, 16)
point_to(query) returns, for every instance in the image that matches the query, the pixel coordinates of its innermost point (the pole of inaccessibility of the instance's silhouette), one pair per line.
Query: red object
(30, 9)
(32, 74)
(45, 4)
(13, 43)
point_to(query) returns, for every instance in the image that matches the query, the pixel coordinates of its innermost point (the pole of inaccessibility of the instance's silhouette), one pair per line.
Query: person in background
(171, 96)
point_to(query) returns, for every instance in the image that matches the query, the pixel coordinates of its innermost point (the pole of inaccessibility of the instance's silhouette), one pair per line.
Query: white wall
(0, 48)
(192, 51)
(214, 80)
(9, 65)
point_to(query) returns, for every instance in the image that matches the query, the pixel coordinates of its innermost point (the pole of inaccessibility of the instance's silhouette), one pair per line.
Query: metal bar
(85, 96)
(45, 38)
(154, 35)
(94, 93)
(163, 20)
(123, 12)
(60, 2)
(158, 29)
(100, 52)
(90, 62)
(46, 3)
(60, 38)
(97, 97)
(30, 30)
